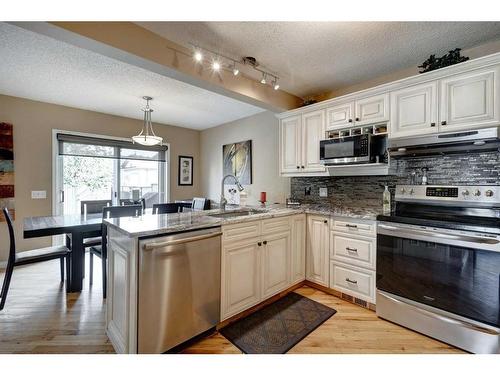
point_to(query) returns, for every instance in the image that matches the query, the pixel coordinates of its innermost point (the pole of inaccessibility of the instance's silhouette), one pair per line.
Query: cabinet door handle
(357, 118)
(351, 249)
(433, 124)
(351, 226)
(351, 281)
(265, 242)
(325, 221)
(350, 120)
(443, 122)
(259, 243)
(298, 167)
(302, 167)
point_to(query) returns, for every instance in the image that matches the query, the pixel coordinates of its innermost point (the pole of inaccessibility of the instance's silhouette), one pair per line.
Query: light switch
(323, 192)
(39, 194)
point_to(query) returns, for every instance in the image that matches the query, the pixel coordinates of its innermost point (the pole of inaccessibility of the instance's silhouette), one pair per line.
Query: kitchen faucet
(223, 200)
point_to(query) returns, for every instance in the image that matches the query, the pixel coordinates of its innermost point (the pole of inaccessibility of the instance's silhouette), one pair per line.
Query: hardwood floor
(39, 317)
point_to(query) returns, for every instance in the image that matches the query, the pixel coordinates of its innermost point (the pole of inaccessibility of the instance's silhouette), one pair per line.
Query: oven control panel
(480, 195)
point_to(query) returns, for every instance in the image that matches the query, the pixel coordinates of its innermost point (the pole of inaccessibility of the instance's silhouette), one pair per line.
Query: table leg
(75, 281)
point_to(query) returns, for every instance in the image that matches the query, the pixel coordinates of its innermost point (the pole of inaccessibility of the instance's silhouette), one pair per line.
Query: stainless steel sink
(231, 214)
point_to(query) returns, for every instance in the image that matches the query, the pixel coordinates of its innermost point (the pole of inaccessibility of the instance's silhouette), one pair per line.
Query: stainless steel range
(438, 264)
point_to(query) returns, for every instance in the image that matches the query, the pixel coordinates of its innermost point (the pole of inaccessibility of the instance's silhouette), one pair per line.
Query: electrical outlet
(307, 190)
(323, 192)
(39, 194)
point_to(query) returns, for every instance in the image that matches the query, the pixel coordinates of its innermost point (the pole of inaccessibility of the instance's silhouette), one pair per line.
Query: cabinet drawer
(355, 227)
(354, 281)
(353, 250)
(241, 231)
(279, 224)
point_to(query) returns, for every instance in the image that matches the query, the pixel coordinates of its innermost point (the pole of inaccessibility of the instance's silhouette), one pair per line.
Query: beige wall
(262, 129)
(33, 123)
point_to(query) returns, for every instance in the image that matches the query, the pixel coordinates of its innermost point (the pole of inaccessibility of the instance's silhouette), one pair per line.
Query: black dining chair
(93, 207)
(200, 204)
(27, 257)
(101, 250)
(165, 208)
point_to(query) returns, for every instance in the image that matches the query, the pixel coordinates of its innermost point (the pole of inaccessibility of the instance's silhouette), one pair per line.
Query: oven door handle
(432, 236)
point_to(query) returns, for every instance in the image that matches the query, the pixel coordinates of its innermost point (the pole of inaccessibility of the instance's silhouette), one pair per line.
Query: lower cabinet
(260, 263)
(317, 249)
(298, 238)
(240, 276)
(355, 281)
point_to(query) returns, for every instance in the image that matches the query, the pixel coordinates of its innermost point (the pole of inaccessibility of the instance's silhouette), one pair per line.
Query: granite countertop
(150, 225)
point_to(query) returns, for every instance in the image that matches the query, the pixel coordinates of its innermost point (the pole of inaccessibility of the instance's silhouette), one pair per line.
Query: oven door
(347, 150)
(452, 270)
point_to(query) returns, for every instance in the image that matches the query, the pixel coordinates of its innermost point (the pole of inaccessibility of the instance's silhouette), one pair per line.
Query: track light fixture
(220, 62)
(198, 56)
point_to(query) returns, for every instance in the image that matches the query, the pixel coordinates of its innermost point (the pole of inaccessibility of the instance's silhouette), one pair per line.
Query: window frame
(57, 166)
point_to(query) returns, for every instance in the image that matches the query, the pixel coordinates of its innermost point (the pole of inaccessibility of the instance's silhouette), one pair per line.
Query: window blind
(76, 145)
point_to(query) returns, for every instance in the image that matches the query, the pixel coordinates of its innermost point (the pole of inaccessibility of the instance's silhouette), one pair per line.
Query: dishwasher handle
(152, 246)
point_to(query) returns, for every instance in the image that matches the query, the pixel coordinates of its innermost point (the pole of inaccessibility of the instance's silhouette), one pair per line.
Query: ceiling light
(236, 71)
(275, 84)
(216, 66)
(263, 80)
(147, 136)
(198, 56)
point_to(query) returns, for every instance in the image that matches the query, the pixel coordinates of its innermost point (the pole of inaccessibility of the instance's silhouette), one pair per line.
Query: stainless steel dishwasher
(179, 288)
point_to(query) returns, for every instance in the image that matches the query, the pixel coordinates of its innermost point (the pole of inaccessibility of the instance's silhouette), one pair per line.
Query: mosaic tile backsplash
(366, 191)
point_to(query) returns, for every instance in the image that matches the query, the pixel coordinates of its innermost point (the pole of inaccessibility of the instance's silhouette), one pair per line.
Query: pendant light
(147, 136)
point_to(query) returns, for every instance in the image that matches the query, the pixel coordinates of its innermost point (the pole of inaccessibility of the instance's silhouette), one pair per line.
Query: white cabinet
(317, 249)
(299, 143)
(298, 238)
(241, 276)
(276, 251)
(414, 110)
(372, 109)
(470, 100)
(258, 261)
(290, 144)
(353, 249)
(313, 131)
(340, 116)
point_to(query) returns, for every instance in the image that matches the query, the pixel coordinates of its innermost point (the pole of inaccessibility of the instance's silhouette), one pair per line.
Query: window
(91, 168)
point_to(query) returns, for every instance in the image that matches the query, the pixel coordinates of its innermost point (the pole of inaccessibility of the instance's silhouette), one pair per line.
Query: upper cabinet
(372, 109)
(299, 143)
(414, 110)
(340, 116)
(470, 100)
(290, 144)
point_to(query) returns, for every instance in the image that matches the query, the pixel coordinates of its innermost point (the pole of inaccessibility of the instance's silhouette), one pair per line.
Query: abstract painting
(237, 160)
(6, 169)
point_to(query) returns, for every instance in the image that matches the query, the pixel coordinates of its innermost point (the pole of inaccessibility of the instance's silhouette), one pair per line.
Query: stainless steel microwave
(355, 149)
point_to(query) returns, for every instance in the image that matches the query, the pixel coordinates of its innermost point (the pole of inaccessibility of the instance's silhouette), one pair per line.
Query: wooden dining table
(79, 227)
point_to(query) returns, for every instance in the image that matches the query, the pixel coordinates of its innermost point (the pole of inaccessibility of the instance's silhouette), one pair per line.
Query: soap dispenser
(386, 198)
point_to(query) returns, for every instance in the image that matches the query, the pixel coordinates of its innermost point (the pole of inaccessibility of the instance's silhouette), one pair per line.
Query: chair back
(12, 237)
(94, 206)
(165, 208)
(121, 211)
(199, 204)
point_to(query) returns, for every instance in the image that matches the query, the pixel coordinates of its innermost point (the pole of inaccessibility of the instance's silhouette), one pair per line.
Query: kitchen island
(214, 264)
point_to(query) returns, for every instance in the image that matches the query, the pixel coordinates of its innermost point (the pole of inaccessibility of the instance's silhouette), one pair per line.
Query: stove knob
(489, 193)
(477, 193)
(403, 190)
(411, 191)
(465, 193)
